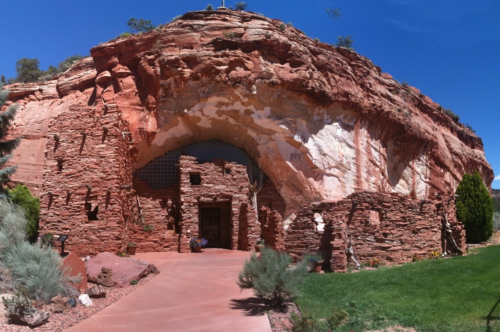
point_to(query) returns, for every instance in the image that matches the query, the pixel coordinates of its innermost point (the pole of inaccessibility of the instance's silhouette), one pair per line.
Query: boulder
(76, 267)
(125, 269)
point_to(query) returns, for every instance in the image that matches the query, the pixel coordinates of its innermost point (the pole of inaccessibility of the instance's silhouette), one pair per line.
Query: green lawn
(455, 294)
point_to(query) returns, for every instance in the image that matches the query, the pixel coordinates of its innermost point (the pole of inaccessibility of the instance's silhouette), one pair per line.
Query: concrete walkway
(193, 292)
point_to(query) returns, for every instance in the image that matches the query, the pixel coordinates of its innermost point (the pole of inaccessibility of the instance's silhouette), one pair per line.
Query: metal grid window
(162, 172)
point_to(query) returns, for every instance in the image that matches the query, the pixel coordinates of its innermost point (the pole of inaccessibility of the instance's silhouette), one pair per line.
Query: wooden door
(210, 224)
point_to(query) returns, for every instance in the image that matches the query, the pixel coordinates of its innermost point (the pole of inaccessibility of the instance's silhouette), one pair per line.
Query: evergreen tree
(2, 80)
(6, 145)
(28, 70)
(475, 208)
(140, 25)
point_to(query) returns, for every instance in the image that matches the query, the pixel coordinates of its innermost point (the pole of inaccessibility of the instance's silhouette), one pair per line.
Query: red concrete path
(193, 292)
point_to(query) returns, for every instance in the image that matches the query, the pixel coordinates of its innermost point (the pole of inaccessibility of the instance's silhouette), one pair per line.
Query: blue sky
(449, 49)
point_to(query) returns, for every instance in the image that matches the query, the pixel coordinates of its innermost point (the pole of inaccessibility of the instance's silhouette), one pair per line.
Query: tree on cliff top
(6, 145)
(140, 25)
(28, 70)
(475, 208)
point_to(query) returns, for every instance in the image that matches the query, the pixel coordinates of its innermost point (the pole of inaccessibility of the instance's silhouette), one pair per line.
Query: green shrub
(271, 276)
(338, 317)
(241, 5)
(125, 35)
(344, 41)
(20, 305)
(134, 282)
(282, 26)
(474, 208)
(210, 7)
(36, 268)
(452, 115)
(140, 25)
(68, 62)
(468, 126)
(22, 196)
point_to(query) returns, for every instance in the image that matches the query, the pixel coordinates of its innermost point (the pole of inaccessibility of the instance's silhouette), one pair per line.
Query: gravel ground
(60, 322)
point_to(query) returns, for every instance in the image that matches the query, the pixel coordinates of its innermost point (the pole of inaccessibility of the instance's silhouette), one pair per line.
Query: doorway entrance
(215, 225)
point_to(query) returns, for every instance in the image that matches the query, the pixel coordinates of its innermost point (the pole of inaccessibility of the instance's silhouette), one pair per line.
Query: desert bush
(210, 7)
(468, 126)
(37, 268)
(282, 26)
(344, 41)
(140, 25)
(451, 114)
(241, 5)
(474, 208)
(271, 276)
(125, 35)
(21, 196)
(20, 305)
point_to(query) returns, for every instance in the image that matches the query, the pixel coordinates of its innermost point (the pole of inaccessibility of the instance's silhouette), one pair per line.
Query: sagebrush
(37, 268)
(272, 276)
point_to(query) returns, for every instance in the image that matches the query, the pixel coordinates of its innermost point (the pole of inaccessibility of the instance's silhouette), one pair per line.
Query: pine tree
(475, 208)
(6, 145)
(2, 79)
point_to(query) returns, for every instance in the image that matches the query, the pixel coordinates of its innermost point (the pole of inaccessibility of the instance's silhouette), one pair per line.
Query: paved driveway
(193, 292)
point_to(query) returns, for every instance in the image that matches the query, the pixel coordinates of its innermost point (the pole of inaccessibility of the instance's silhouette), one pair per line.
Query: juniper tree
(6, 145)
(474, 208)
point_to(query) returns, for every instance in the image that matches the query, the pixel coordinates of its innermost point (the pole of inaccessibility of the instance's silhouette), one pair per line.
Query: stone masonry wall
(158, 213)
(273, 231)
(217, 186)
(389, 227)
(87, 169)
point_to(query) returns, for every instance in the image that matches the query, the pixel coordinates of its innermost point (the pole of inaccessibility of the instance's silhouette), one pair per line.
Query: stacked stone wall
(273, 231)
(159, 209)
(390, 227)
(87, 169)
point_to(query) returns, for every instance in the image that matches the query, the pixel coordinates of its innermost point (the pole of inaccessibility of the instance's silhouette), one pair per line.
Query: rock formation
(322, 122)
(342, 145)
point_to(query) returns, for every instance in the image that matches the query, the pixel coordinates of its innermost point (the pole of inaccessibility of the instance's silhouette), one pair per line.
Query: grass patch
(448, 295)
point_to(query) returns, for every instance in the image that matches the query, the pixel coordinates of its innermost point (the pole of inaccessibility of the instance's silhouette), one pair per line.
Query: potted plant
(259, 244)
(316, 260)
(131, 247)
(196, 244)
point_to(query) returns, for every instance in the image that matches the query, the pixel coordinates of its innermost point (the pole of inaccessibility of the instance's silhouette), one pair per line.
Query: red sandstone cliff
(322, 122)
